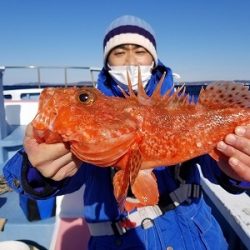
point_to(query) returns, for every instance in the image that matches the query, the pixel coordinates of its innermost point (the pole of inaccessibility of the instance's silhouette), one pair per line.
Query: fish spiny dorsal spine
(217, 94)
(157, 92)
(141, 95)
(177, 99)
(130, 89)
(123, 92)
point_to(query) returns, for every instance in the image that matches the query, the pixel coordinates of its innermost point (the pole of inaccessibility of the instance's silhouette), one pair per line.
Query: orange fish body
(137, 133)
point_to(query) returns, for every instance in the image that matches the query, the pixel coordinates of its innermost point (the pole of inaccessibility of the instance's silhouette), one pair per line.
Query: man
(50, 170)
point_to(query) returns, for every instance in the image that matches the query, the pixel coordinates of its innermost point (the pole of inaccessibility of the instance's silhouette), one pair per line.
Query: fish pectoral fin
(120, 185)
(134, 162)
(130, 165)
(145, 188)
(131, 162)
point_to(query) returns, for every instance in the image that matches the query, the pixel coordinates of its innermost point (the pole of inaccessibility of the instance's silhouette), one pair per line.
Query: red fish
(138, 133)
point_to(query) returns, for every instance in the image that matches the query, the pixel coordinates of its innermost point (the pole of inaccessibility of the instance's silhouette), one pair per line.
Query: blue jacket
(99, 201)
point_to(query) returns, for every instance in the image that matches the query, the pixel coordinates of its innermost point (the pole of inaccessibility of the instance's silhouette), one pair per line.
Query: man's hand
(53, 161)
(236, 148)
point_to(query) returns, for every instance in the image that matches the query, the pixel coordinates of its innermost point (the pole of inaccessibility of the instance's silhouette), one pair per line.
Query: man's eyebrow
(125, 46)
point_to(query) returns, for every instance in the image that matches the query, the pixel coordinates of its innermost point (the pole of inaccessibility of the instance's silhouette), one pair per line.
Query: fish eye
(86, 97)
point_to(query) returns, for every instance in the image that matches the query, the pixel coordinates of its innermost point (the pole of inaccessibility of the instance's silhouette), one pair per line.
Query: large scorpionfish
(138, 133)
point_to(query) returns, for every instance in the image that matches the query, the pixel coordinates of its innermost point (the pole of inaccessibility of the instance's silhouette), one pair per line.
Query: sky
(199, 39)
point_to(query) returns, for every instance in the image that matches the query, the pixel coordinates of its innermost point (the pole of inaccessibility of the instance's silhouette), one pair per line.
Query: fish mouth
(104, 153)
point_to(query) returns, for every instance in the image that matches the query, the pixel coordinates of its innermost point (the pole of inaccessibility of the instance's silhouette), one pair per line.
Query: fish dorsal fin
(168, 100)
(225, 94)
(157, 92)
(142, 97)
(179, 99)
(141, 91)
(130, 89)
(125, 94)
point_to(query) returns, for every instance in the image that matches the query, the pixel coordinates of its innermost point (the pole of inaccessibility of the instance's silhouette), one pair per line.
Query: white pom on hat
(129, 30)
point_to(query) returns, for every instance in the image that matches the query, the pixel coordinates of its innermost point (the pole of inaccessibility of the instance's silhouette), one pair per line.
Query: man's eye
(140, 52)
(117, 53)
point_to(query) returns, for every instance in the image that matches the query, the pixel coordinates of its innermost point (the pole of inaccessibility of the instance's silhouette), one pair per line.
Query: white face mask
(119, 73)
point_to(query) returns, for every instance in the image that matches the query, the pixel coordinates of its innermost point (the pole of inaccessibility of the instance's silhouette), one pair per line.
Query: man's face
(129, 54)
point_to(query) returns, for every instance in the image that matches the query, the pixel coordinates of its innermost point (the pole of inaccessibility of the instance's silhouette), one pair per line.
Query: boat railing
(38, 69)
(89, 71)
(231, 216)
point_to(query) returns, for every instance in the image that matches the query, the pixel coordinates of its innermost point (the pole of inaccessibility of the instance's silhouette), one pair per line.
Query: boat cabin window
(30, 96)
(8, 97)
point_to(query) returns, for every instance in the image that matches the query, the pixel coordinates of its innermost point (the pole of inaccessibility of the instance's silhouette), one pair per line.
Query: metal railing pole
(65, 77)
(3, 124)
(39, 77)
(92, 70)
(92, 78)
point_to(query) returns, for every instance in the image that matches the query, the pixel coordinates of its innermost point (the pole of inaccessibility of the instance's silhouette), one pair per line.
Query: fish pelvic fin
(145, 188)
(225, 94)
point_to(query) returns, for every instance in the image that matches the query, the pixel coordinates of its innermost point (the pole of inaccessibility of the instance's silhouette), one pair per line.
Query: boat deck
(17, 227)
(56, 233)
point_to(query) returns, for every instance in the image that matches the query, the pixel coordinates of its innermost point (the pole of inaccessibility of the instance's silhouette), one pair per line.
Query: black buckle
(184, 193)
(147, 223)
(118, 228)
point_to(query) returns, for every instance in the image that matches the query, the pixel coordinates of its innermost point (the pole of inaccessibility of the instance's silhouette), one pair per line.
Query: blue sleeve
(212, 172)
(25, 179)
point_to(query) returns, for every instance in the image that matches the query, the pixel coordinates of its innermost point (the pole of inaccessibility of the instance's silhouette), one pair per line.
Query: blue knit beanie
(129, 30)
